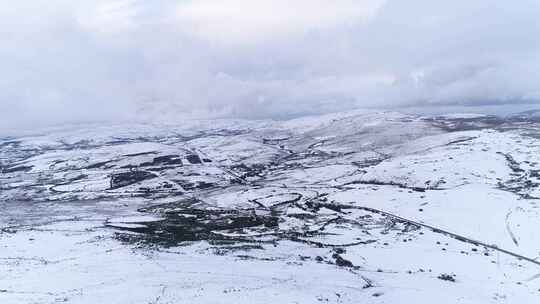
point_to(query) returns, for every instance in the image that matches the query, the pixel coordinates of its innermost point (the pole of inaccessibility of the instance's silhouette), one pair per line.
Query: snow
(359, 207)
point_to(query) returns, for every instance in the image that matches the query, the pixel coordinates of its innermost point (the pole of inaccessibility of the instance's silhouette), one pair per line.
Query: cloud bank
(67, 61)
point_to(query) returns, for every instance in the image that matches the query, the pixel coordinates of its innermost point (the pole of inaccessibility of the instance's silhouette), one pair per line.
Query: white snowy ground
(370, 207)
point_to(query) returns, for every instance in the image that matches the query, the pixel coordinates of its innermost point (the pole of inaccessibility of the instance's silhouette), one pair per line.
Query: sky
(66, 61)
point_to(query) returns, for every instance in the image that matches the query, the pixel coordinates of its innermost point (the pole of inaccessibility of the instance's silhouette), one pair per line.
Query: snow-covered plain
(358, 207)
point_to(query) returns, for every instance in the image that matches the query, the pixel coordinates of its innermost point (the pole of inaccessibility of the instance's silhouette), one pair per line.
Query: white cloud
(65, 60)
(247, 21)
(109, 17)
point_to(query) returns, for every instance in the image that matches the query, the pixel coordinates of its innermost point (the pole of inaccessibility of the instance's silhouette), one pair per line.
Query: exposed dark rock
(187, 185)
(140, 154)
(447, 277)
(245, 171)
(164, 160)
(194, 159)
(16, 169)
(273, 141)
(98, 165)
(340, 261)
(123, 179)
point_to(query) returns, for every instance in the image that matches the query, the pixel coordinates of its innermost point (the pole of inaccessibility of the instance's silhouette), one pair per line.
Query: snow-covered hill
(357, 207)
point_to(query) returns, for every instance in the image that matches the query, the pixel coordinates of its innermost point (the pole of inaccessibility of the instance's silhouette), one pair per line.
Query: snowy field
(357, 207)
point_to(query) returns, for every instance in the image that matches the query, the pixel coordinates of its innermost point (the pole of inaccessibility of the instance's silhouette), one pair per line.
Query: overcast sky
(65, 60)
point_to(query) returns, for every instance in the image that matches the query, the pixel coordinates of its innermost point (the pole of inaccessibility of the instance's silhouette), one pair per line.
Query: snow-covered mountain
(356, 207)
